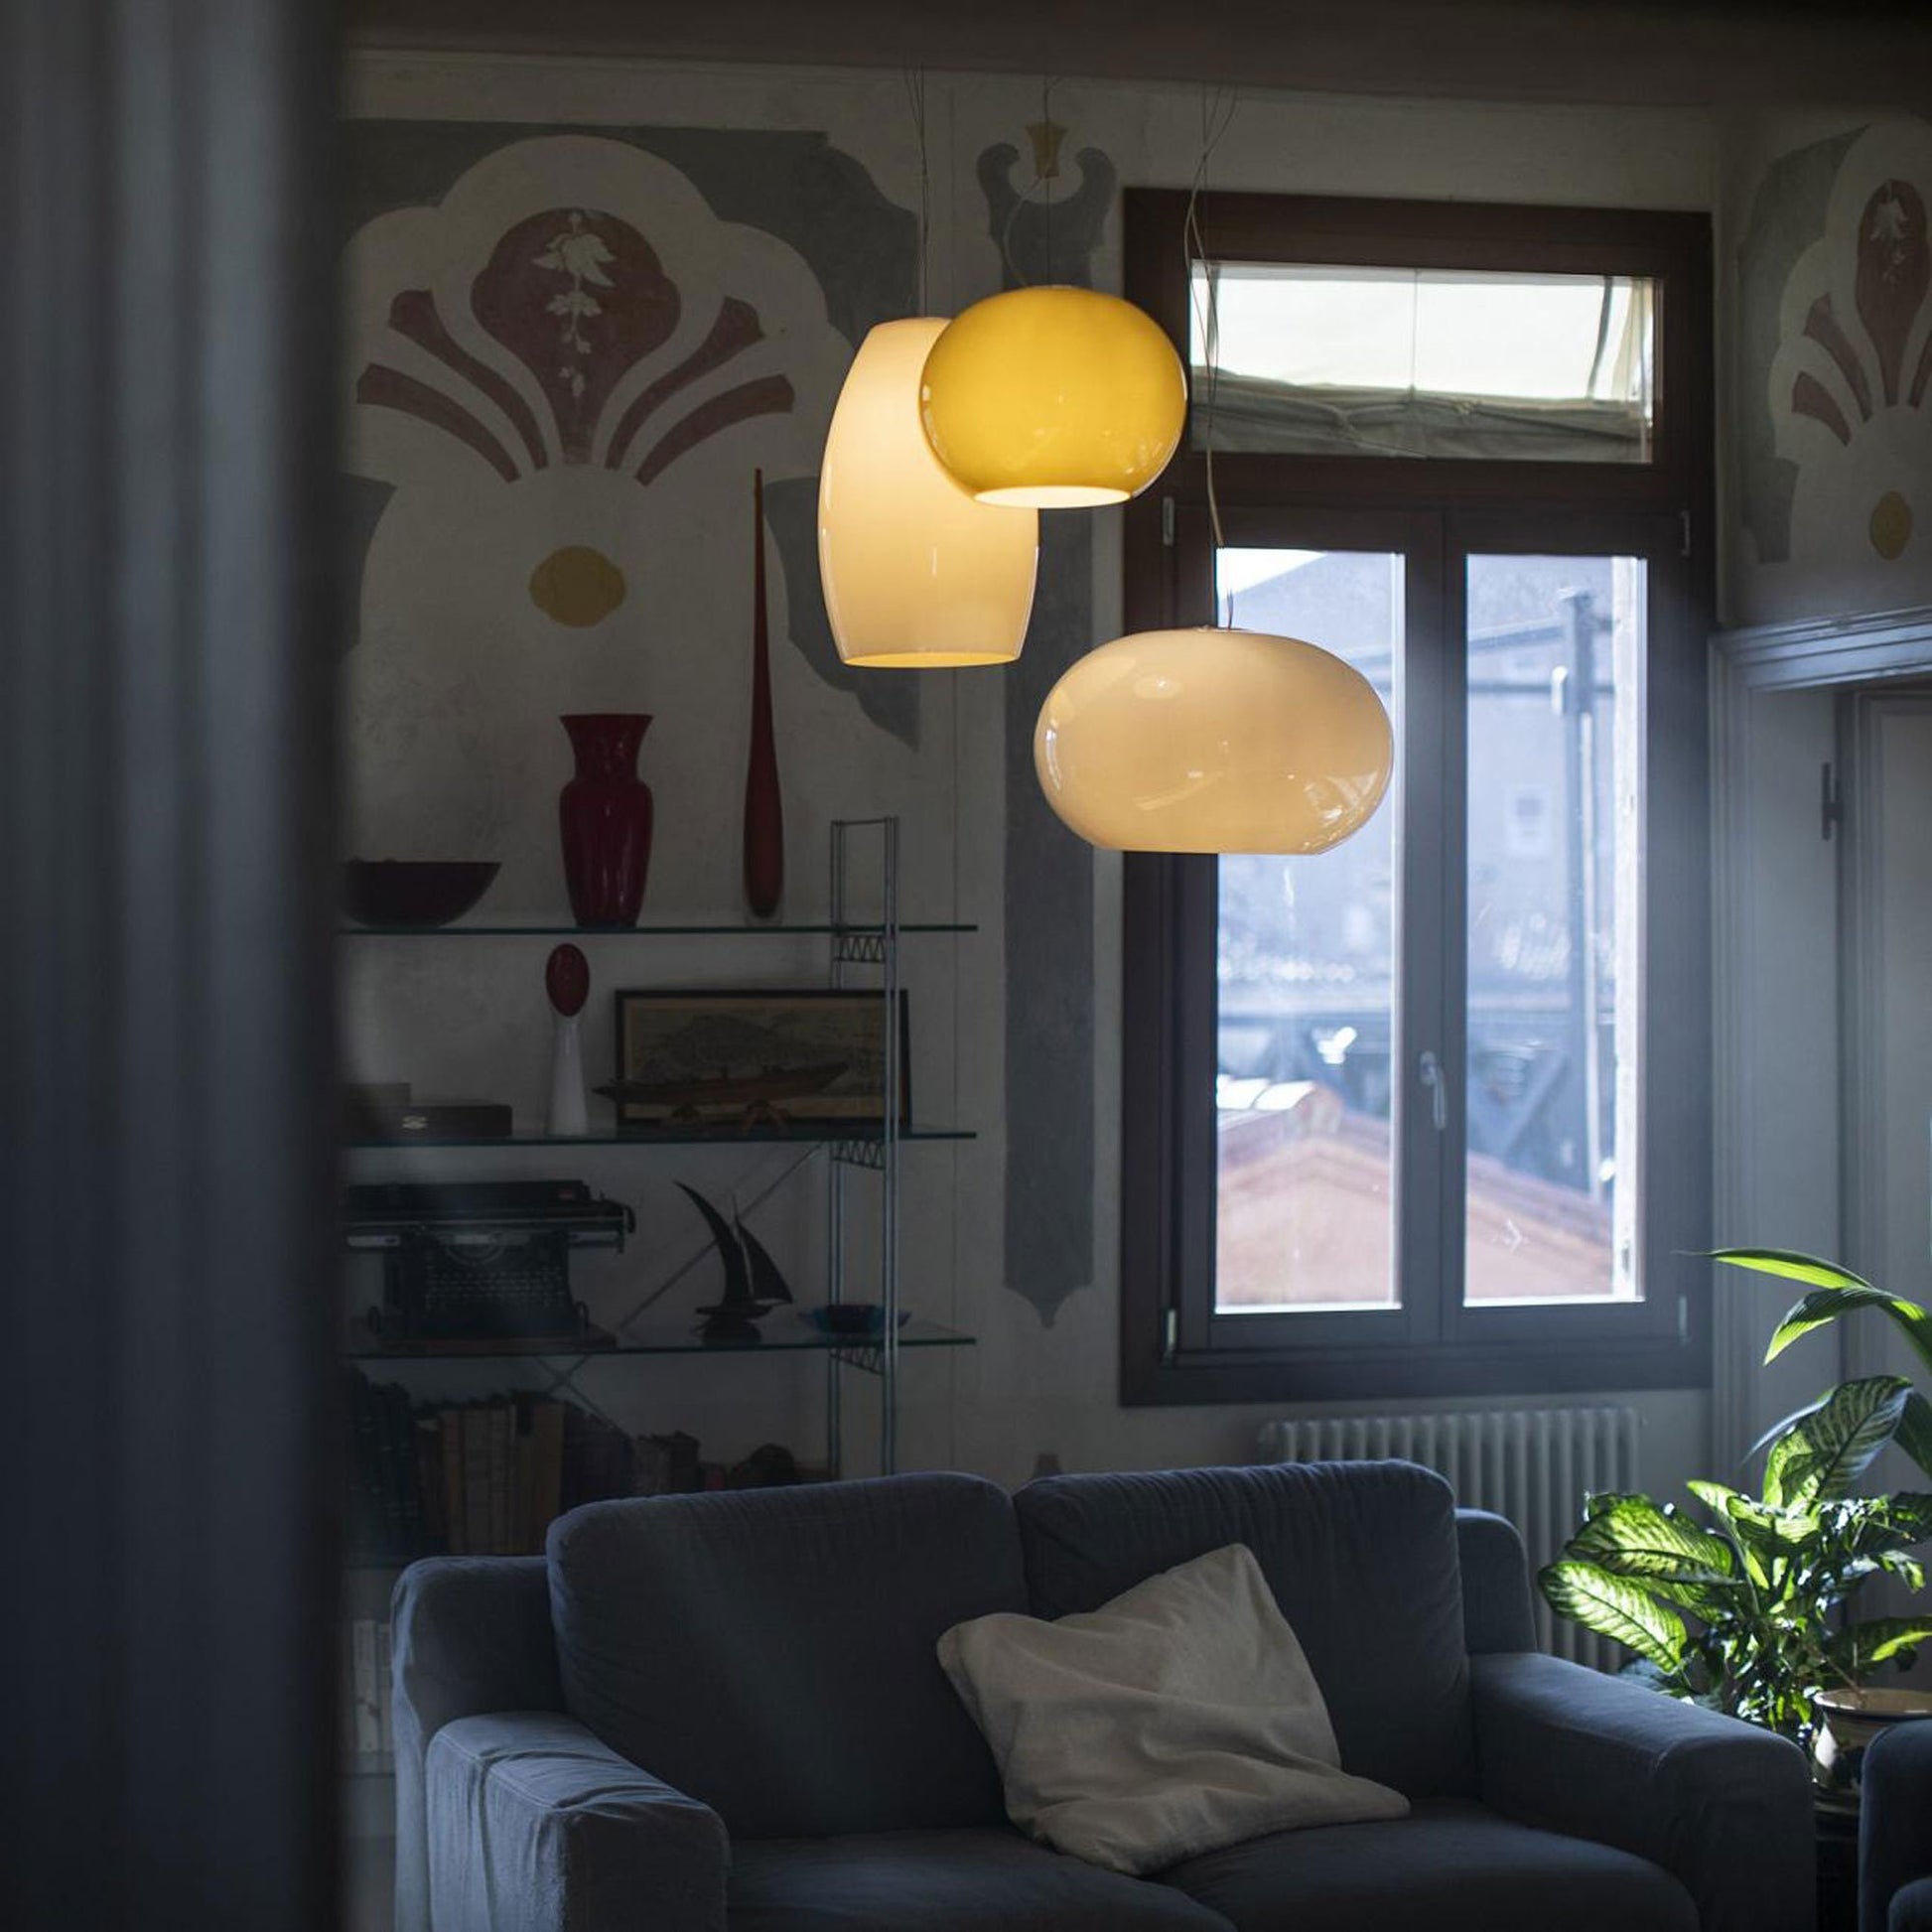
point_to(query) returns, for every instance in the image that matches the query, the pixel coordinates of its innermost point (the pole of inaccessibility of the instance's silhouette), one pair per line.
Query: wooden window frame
(1173, 1347)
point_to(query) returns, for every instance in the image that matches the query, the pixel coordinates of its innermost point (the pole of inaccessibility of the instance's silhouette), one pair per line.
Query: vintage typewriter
(481, 1262)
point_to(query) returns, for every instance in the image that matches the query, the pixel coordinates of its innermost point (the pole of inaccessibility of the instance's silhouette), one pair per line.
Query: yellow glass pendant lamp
(1056, 398)
(1213, 740)
(916, 575)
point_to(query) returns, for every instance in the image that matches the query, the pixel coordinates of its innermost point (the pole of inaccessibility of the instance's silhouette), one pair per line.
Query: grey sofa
(1895, 1832)
(724, 1714)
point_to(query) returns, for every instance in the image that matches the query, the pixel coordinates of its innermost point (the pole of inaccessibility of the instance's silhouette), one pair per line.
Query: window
(1406, 361)
(1429, 1113)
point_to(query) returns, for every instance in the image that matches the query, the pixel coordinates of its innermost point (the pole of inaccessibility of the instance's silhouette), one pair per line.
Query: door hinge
(1166, 521)
(1683, 1318)
(1683, 533)
(1170, 1336)
(1831, 807)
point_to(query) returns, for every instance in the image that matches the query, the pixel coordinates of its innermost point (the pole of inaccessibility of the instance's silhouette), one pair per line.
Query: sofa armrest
(534, 1826)
(1895, 1821)
(1724, 1807)
(1496, 1613)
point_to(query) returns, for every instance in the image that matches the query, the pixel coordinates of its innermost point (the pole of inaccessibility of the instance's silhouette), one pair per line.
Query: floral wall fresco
(1835, 440)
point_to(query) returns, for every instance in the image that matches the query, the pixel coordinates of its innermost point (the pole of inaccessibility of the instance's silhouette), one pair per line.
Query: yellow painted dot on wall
(1892, 525)
(578, 586)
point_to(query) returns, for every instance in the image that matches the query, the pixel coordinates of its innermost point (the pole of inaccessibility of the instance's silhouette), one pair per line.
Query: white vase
(567, 1111)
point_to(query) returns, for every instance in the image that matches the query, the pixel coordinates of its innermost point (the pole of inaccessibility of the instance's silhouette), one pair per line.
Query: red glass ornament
(567, 979)
(765, 815)
(604, 814)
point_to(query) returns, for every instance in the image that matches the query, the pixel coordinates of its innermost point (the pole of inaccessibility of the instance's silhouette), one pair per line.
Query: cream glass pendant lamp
(916, 575)
(1059, 398)
(1213, 740)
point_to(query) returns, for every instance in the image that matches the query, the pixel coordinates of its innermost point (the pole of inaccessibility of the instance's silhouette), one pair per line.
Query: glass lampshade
(1213, 740)
(1057, 397)
(916, 575)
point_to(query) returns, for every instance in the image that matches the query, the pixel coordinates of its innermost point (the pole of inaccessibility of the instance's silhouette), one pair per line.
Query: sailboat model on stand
(753, 1286)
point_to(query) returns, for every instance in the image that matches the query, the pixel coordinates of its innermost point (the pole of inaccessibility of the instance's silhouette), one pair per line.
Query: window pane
(1556, 651)
(1306, 972)
(1408, 362)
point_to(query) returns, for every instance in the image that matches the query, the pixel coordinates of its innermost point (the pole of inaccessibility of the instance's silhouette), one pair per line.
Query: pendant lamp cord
(1045, 137)
(915, 95)
(1014, 277)
(1216, 116)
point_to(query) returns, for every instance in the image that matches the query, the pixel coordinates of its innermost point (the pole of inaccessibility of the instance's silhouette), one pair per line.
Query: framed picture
(755, 1059)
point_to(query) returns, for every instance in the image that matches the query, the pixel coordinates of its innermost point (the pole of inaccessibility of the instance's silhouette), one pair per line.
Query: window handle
(1431, 1069)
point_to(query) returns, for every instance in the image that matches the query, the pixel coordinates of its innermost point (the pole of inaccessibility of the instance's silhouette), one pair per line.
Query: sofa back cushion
(772, 1653)
(1362, 1557)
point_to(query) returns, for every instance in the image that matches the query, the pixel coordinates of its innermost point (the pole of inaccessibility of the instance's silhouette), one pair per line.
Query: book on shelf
(485, 1479)
(476, 1479)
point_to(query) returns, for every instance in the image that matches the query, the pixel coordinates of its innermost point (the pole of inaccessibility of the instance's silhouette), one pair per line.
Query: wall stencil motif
(1847, 388)
(1049, 1046)
(562, 372)
(798, 189)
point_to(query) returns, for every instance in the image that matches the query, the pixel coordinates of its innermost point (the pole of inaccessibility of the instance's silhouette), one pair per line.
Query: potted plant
(1753, 1612)
(1851, 1716)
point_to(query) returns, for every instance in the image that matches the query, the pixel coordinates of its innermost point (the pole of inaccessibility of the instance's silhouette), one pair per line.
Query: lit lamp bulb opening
(1059, 398)
(916, 575)
(1213, 740)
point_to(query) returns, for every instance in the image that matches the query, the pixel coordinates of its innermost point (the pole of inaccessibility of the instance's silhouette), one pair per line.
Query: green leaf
(1633, 1537)
(1909, 1570)
(1823, 1454)
(1673, 1559)
(1900, 1522)
(1790, 1265)
(1861, 1645)
(1825, 1304)
(1783, 1423)
(1614, 1607)
(1772, 1540)
(1715, 1496)
(1914, 1432)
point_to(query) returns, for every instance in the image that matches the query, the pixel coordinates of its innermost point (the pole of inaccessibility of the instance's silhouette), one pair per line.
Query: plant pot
(605, 814)
(1848, 1722)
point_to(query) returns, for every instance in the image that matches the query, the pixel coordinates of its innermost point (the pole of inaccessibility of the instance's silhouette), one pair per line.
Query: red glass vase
(765, 811)
(604, 814)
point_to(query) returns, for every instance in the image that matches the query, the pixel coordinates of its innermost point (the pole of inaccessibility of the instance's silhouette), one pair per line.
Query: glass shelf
(779, 1334)
(700, 1134)
(906, 928)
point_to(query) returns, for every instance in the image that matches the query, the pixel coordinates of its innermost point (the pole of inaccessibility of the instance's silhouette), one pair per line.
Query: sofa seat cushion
(1362, 1560)
(944, 1881)
(774, 1652)
(1448, 1866)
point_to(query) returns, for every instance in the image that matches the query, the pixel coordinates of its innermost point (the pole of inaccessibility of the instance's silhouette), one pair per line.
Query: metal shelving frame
(858, 946)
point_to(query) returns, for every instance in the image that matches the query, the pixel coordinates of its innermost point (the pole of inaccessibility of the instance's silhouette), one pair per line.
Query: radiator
(1533, 1465)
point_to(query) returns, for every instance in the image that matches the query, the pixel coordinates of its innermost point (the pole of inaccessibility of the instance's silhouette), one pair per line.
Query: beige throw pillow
(1178, 1718)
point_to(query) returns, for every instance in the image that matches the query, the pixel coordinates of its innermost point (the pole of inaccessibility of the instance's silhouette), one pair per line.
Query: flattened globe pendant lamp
(1055, 397)
(1213, 740)
(916, 575)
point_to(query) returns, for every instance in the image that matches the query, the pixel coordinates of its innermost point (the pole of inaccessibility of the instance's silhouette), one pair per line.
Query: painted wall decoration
(1848, 388)
(561, 371)
(1787, 216)
(796, 188)
(1049, 952)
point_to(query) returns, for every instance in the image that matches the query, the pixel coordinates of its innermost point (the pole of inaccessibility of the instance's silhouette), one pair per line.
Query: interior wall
(1826, 471)
(803, 185)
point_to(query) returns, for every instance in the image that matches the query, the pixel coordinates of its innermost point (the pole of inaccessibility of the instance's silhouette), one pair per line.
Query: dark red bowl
(412, 892)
